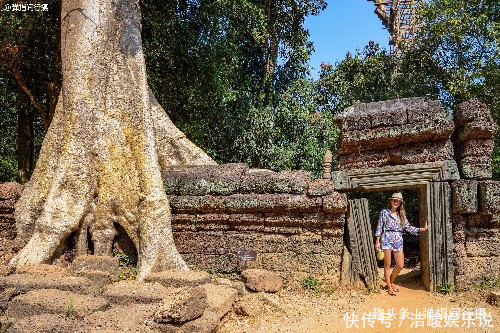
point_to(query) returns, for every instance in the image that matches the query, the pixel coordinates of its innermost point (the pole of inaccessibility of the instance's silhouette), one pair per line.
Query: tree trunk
(25, 139)
(100, 161)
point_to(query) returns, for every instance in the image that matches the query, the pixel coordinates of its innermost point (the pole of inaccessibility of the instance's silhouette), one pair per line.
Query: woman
(391, 224)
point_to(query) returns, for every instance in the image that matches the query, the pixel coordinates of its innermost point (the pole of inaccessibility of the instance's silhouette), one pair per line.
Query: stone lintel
(387, 177)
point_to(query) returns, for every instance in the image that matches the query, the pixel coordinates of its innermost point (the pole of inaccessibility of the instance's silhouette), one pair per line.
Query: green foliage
(310, 283)
(446, 288)
(488, 284)
(70, 309)
(128, 266)
(31, 40)
(208, 66)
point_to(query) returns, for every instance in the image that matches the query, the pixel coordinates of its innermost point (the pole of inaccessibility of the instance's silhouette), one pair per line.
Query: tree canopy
(234, 76)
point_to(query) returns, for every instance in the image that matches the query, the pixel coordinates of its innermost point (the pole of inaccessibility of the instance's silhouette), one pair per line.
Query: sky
(343, 26)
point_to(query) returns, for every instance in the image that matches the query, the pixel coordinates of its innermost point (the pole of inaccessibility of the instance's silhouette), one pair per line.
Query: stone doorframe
(432, 180)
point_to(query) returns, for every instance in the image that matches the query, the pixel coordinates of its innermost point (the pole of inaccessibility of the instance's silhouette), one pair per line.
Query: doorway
(431, 182)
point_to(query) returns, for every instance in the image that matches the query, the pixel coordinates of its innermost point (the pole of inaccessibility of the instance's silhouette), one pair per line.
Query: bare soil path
(301, 311)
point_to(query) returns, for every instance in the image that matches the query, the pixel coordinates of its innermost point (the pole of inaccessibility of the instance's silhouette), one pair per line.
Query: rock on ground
(187, 304)
(262, 280)
(54, 301)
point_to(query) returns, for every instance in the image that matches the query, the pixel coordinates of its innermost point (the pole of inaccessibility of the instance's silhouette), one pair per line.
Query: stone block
(10, 190)
(477, 129)
(126, 292)
(425, 113)
(46, 323)
(220, 263)
(96, 263)
(184, 222)
(475, 167)
(460, 254)
(220, 298)
(221, 179)
(207, 323)
(489, 197)
(212, 221)
(388, 117)
(226, 178)
(42, 301)
(99, 278)
(483, 247)
(293, 219)
(27, 282)
(207, 242)
(187, 304)
(356, 123)
(6, 270)
(5, 297)
(320, 187)
(475, 147)
(262, 280)
(246, 222)
(422, 153)
(252, 203)
(464, 196)
(188, 180)
(266, 181)
(332, 245)
(479, 267)
(427, 131)
(122, 318)
(43, 270)
(176, 278)
(472, 110)
(335, 203)
(185, 204)
(364, 160)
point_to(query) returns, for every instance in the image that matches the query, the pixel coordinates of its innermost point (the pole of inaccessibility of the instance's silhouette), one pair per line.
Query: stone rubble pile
(49, 298)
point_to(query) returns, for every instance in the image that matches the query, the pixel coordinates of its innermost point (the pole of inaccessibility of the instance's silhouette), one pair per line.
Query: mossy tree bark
(101, 159)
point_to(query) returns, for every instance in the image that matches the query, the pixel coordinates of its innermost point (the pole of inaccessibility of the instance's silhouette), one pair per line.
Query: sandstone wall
(9, 193)
(476, 200)
(294, 223)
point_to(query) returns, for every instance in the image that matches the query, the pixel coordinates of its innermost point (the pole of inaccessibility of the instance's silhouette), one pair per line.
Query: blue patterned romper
(392, 238)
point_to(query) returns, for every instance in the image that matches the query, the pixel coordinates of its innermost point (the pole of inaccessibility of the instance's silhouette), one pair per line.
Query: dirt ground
(302, 311)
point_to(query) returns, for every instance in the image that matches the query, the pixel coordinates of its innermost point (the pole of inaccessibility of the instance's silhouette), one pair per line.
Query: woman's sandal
(395, 288)
(391, 293)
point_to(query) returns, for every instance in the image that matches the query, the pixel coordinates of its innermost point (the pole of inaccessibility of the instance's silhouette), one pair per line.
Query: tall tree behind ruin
(101, 158)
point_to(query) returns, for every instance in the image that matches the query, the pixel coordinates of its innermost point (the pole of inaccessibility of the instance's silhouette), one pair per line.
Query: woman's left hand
(427, 226)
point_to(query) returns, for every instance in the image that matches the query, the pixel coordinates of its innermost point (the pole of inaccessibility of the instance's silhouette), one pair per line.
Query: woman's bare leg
(400, 261)
(387, 270)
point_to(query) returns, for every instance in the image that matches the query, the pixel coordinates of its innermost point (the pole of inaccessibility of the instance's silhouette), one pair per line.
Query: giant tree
(101, 158)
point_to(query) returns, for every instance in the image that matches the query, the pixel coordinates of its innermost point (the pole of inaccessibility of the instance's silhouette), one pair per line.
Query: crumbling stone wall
(294, 223)
(9, 193)
(476, 198)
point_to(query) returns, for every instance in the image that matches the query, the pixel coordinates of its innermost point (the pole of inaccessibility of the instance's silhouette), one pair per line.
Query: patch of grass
(126, 260)
(446, 288)
(310, 283)
(70, 309)
(488, 284)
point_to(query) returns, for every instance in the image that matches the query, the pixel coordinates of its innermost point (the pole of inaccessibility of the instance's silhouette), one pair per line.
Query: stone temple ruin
(300, 226)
